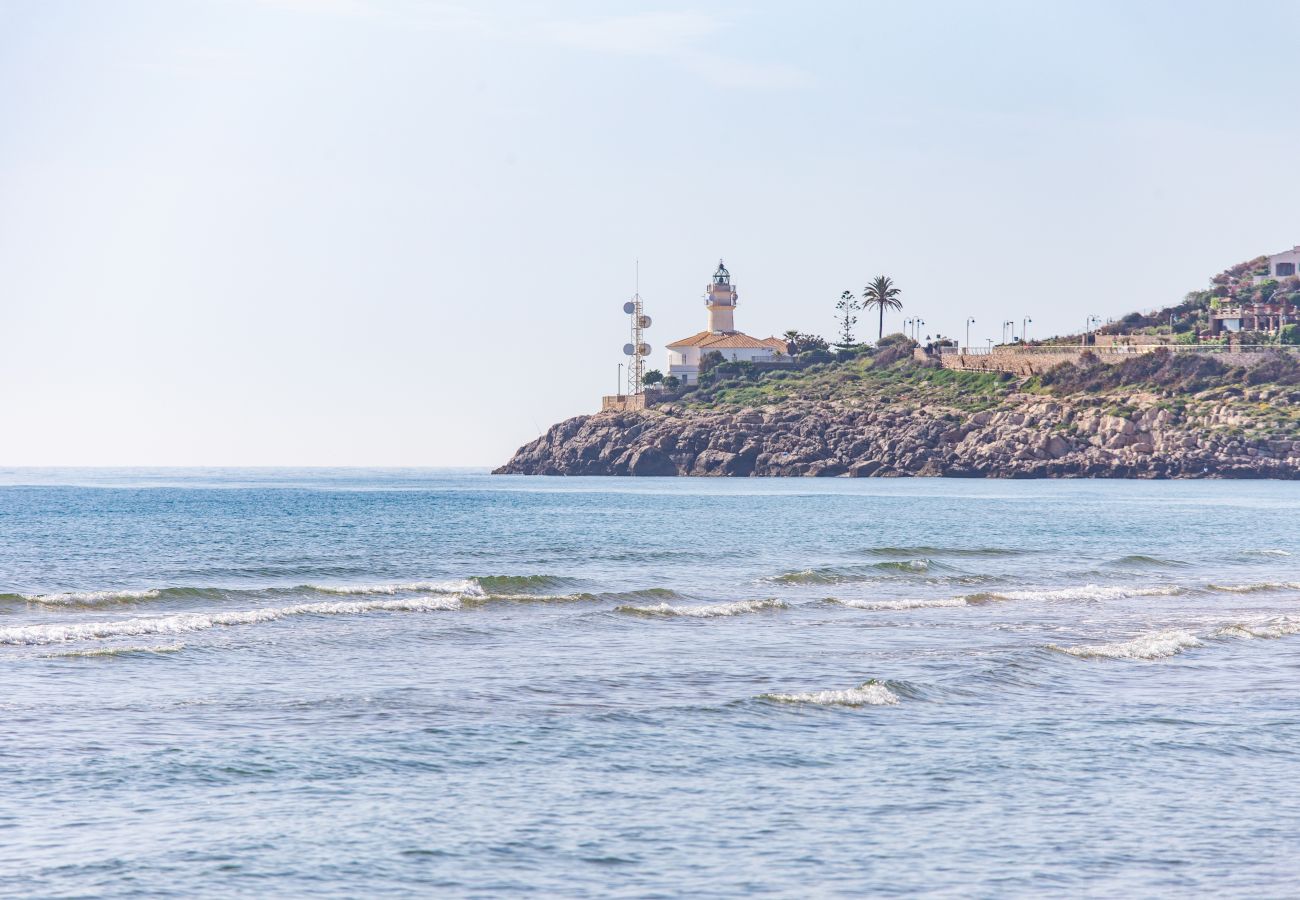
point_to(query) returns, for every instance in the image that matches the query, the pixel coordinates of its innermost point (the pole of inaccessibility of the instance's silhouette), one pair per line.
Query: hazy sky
(396, 232)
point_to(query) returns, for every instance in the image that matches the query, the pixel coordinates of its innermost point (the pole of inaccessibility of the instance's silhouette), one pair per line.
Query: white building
(1282, 265)
(720, 300)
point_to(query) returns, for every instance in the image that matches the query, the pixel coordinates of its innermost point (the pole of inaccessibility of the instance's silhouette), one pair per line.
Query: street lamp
(1005, 325)
(1024, 329)
(619, 391)
(920, 323)
(1092, 320)
(969, 323)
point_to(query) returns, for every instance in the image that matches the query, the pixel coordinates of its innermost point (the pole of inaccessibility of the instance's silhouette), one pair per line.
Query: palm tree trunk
(882, 323)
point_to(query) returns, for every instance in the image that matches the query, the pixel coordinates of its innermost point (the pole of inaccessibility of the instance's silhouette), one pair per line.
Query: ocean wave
(848, 574)
(184, 623)
(1281, 626)
(871, 693)
(1156, 645)
(85, 598)
(703, 611)
(518, 584)
(1266, 552)
(116, 651)
(1142, 561)
(1255, 587)
(945, 602)
(464, 586)
(942, 552)
(1089, 592)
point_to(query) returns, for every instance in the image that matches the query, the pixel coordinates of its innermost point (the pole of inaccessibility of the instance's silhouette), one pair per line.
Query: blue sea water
(343, 683)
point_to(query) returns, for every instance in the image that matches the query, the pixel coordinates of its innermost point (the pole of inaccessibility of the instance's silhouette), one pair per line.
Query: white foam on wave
(1256, 587)
(1157, 645)
(85, 598)
(1281, 626)
(117, 651)
(185, 623)
(946, 602)
(1268, 552)
(873, 693)
(704, 611)
(410, 587)
(1088, 592)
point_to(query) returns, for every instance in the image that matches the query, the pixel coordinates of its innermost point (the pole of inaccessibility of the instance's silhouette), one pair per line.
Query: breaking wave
(871, 693)
(1256, 587)
(117, 651)
(1272, 628)
(494, 586)
(1156, 645)
(703, 611)
(946, 602)
(1088, 592)
(84, 598)
(467, 586)
(184, 623)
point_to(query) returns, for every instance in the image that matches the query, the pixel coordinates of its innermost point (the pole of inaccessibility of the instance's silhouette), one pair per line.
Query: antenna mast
(638, 349)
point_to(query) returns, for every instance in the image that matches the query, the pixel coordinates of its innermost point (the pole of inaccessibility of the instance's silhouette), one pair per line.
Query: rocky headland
(885, 414)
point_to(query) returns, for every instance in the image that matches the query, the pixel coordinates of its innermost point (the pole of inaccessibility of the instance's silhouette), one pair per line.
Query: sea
(417, 683)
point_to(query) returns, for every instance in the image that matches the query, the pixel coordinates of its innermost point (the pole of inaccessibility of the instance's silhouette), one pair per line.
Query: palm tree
(882, 294)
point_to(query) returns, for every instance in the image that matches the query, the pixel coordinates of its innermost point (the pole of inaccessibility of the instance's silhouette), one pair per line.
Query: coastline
(1031, 437)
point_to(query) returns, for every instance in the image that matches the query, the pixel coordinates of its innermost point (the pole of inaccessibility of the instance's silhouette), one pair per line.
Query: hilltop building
(1282, 265)
(720, 299)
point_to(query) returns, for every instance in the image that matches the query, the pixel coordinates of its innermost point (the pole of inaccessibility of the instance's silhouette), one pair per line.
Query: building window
(1285, 269)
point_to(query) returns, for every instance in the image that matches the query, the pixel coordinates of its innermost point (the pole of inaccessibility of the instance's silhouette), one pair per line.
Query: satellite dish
(629, 307)
(642, 349)
(645, 322)
(627, 349)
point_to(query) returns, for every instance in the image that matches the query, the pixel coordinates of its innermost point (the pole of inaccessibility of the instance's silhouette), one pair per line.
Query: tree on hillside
(672, 382)
(803, 341)
(847, 307)
(654, 376)
(882, 294)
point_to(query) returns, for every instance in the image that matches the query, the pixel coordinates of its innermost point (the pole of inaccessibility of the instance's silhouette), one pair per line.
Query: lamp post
(990, 340)
(1092, 320)
(969, 323)
(618, 392)
(1024, 329)
(1005, 325)
(918, 324)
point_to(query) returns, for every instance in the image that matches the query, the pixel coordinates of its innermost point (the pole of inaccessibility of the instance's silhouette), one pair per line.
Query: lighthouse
(720, 301)
(684, 356)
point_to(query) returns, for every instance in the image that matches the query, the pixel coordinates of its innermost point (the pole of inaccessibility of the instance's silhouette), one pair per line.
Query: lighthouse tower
(720, 301)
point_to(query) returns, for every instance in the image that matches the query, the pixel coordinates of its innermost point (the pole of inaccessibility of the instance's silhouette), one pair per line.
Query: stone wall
(622, 402)
(1013, 361)
(1037, 361)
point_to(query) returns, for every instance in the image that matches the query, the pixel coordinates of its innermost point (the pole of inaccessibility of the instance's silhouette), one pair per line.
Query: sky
(390, 232)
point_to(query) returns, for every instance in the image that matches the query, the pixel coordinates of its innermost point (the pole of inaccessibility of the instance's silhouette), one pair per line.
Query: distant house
(720, 300)
(1282, 265)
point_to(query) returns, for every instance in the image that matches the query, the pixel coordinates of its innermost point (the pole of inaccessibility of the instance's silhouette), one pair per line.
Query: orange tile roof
(732, 340)
(694, 340)
(736, 341)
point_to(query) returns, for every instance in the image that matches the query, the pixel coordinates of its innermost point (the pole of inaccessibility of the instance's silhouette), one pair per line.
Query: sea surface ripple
(347, 683)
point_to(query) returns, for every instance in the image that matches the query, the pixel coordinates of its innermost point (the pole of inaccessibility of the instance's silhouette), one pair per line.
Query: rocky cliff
(960, 429)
